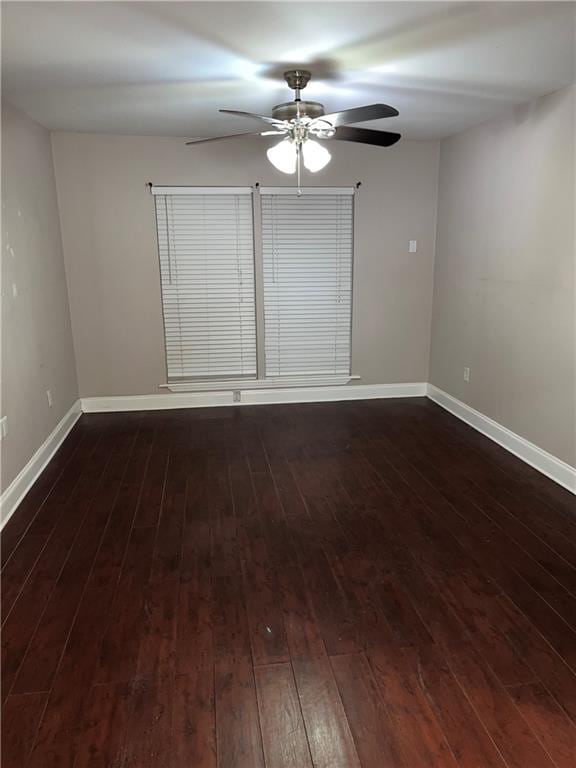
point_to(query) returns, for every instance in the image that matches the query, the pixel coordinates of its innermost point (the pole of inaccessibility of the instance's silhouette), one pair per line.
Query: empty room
(288, 384)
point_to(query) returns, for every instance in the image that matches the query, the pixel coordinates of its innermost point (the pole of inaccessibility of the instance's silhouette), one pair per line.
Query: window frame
(260, 380)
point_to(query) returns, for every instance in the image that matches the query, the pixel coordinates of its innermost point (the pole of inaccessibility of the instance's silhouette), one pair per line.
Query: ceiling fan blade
(233, 136)
(366, 136)
(238, 113)
(220, 138)
(360, 114)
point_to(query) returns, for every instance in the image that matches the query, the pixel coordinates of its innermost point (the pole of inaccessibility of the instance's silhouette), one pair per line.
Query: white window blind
(206, 247)
(307, 246)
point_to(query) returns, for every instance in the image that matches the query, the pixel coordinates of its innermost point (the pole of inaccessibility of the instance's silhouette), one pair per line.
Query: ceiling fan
(301, 122)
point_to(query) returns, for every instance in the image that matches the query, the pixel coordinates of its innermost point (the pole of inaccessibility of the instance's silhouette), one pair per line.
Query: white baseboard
(544, 462)
(26, 478)
(251, 397)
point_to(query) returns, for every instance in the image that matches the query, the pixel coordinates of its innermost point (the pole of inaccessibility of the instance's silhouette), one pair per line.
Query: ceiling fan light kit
(303, 122)
(284, 156)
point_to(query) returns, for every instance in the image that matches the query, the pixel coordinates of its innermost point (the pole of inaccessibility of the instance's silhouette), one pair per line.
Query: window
(307, 264)
(213, 281)
(206, 247)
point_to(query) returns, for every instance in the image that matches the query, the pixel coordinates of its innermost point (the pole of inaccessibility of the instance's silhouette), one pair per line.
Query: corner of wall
(435, 252)
(65, 262)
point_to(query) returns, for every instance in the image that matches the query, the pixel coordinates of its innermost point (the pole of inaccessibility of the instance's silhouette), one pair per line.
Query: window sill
(228, 385)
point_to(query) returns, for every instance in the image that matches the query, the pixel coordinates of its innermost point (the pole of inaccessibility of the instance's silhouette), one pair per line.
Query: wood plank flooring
(339, 585)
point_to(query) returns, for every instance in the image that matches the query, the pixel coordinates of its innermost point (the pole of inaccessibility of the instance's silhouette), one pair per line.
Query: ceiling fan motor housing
(293, 109)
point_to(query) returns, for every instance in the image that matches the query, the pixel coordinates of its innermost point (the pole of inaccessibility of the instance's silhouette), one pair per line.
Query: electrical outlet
(3, 427)
(466, 373)
(412, 246)
(49, 397)
(236, 396)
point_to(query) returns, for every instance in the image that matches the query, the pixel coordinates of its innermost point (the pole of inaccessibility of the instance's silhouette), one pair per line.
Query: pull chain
(299, 141)
(298, 164)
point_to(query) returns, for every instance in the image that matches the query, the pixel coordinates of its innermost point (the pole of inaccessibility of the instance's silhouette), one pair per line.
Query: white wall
(504, 291)
(37, 350)
(109, 237)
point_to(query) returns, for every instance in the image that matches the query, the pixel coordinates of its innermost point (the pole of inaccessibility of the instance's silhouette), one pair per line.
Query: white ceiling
(166, 67)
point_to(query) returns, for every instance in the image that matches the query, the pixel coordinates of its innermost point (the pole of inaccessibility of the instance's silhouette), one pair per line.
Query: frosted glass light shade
(315, 155)
(283, 156)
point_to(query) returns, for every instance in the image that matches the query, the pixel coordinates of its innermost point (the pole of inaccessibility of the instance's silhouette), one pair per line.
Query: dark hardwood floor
(332, 585)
